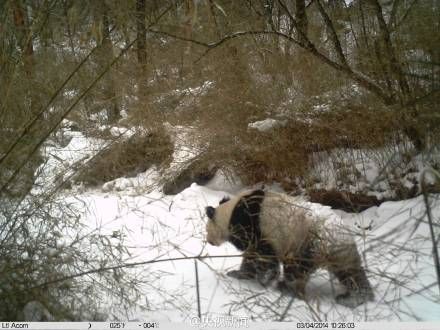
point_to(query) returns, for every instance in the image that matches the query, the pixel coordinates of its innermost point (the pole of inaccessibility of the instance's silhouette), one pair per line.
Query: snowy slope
(165, 234)
(397, 251)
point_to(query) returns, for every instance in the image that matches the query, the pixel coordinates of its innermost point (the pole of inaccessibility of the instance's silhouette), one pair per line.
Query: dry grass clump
(276, 156)
(282, 154)
(127, 158)
(353, 127)
(345, 127)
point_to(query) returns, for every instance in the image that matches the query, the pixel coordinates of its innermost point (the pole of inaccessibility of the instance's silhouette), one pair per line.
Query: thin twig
(283, 316)
(199, 312)
(129, 265)
(67, 112)
(430, 220)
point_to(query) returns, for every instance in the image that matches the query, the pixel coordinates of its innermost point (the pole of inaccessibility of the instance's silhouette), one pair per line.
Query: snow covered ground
(164, 236)
(397, 251)
(375, 172)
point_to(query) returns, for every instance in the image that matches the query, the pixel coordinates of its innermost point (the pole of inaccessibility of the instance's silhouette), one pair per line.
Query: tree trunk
(141, 33)
(402, 90)
(22, 25)
(190, 17)
(301, 18)
(113, 112)
(23, 182)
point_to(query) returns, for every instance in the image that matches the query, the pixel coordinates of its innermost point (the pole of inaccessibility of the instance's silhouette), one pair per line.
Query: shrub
(126, 158)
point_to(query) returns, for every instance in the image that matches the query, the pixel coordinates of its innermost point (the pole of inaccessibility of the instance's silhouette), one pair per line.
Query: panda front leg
(254, 266)
(248, 268)
(268, 269)
(296, 275)
(358, 287)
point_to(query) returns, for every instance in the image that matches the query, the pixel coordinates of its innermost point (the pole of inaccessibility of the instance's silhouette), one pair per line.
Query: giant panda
(273, 229)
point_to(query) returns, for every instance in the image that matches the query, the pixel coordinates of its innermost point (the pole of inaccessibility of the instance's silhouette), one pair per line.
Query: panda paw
(283, 287)
(240, 275)
(266, 278)
(352, 300)
(288, 290)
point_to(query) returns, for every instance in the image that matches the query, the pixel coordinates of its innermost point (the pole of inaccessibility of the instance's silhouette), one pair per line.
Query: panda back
(286, 223)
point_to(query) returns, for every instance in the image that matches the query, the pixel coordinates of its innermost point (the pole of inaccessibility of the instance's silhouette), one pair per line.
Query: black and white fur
(272, 229)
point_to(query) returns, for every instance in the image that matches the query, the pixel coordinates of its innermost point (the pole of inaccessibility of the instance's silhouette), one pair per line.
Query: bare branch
(430, 220)
(130, 265)
(386, 39)
(361, 79)
(333, 35)
(69, 110)
(405, 15)
(301, 17)
(303, 40)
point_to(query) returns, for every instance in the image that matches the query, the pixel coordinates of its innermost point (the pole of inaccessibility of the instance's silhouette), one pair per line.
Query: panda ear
(210, 211)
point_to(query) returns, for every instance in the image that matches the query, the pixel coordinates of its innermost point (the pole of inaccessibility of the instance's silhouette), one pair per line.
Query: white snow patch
(62, 162)
(199, 90)
(186, 145)
(375, 172)
(100, 117)
(225, 182)
(143, 182)
(266, 124)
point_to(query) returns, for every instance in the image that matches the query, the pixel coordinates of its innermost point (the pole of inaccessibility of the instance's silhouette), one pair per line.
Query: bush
(126, 158)
(44, 249)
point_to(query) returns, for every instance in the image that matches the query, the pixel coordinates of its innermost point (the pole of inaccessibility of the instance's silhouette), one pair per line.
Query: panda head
(217, 228)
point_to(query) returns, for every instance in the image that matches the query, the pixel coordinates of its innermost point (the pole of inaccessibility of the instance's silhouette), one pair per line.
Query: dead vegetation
(358, 79)
(126, 158)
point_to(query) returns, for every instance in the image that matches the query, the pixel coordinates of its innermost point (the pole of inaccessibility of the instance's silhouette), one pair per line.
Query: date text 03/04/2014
(325, 325)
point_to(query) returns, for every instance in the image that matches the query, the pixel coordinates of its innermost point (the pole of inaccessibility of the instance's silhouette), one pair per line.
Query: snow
(186, 147)
(165, 236)
(266, 124)
(223, 181)
(118, 131)
(372, 171)
(62, 162)
(157, 227)
(196, 90)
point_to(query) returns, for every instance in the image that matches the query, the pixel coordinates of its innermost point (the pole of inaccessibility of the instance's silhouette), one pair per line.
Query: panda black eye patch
(210, 211)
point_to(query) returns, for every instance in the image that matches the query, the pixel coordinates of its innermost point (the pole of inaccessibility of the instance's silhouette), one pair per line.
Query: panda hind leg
(358, 287)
